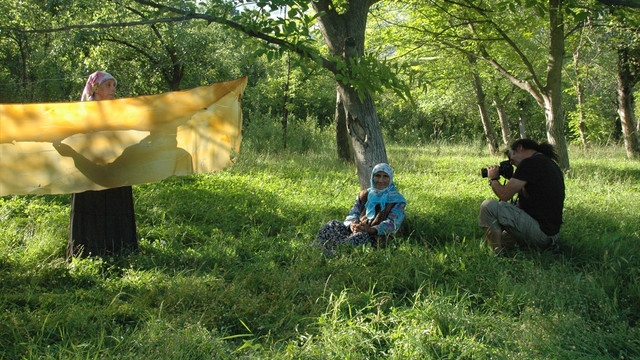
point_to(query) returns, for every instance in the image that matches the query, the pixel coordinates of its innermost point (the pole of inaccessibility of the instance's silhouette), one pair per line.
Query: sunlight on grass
(225, 269)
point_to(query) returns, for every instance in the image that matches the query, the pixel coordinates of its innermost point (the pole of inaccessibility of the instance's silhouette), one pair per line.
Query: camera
(505, 170)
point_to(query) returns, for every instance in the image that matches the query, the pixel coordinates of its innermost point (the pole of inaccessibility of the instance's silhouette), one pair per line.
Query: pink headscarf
(93, 82)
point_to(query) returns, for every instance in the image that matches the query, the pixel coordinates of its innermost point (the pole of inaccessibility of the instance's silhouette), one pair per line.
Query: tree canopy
(415, 60)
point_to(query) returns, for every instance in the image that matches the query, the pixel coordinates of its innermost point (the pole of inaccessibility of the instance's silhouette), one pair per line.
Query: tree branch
(512, 44)
(153, 60)
(187, 16)
(329, 65)
(97, 26)
(629, 3)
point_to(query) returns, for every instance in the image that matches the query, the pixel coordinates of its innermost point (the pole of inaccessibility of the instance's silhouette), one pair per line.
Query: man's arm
(504, 192)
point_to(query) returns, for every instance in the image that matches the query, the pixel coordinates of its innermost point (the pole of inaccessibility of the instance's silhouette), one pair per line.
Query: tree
(628, 77)
(481, 97)
(500, 103)
(630, 3)
(579, 85)
(160, 47)
(343, 30)
(447, 85)
(23, 53)
(625, 26)
(343, 26)
(494, 32)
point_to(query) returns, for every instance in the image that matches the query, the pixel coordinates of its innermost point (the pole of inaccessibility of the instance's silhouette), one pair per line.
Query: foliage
(600, 123)
(437, 37)
(428, 37)
(310, 94)
(303, 135)
(225, 269)
(38, 67)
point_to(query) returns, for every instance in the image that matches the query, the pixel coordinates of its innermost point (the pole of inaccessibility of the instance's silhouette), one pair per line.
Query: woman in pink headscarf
(100, 86)
(102, 222)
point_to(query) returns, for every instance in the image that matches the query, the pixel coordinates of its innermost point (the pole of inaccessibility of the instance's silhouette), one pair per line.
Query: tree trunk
(285, 104)
(504, 122)
(627, 78)
(343, 141)
(523, 126)
(555, 129)
(23, 44)
(582, 127)
(365, 133)
(489, 133)
(174, 76)
(552, 93)
(580, 93)
(522, 120)
(548, 97)
(344, 35)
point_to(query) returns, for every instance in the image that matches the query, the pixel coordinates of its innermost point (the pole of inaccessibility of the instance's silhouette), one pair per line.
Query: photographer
(535, 219)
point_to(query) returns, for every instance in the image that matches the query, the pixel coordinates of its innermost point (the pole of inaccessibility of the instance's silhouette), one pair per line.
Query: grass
(225, 269)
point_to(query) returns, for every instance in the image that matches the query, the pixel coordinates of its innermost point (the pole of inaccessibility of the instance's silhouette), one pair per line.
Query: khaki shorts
(500, 215)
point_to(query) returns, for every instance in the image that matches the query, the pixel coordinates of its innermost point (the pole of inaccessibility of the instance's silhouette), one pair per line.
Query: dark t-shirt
(543, 194)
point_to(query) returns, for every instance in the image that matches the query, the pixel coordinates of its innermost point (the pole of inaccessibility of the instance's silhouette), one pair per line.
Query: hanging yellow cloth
(57, 148)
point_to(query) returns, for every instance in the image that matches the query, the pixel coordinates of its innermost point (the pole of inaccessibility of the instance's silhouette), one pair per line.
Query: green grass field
(225, 268)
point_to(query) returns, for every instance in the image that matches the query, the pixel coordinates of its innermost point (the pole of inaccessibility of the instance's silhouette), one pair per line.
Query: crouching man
(534, 219)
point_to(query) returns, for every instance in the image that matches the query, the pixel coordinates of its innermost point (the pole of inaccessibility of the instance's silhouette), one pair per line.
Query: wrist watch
(492, 180)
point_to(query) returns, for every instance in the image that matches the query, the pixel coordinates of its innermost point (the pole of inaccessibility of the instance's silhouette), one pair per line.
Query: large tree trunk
(365, 132)
(627, 78)
(344, 35)
(555, 128)
(553, 91)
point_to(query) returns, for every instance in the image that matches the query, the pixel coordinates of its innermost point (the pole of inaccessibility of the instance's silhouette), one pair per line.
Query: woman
(376, 215)
(102, 222)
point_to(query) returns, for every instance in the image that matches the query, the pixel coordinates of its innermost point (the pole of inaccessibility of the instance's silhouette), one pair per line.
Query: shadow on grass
(443, 219)
(231, 223)
(588, 236)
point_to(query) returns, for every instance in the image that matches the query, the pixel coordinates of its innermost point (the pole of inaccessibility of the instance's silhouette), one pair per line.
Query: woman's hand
(363, 227)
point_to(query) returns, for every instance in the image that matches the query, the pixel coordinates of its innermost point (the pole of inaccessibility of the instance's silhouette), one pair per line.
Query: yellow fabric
(56, 148)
